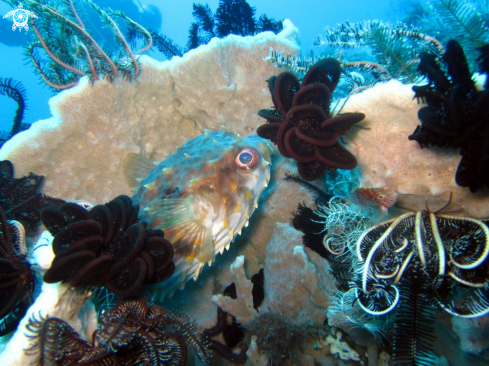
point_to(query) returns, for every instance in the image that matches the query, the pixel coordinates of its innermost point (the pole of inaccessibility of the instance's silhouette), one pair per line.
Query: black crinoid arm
(456, 115)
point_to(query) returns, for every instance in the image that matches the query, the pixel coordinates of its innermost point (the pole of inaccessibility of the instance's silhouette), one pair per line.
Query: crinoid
(16, 91)
(394, 48)
(456, 115)
(231, 17)
(425, 256)
(106, 246)
(71, 49)
(20, 199)
(301, 123)
(131, 333)
(16, 277)
(232, 333)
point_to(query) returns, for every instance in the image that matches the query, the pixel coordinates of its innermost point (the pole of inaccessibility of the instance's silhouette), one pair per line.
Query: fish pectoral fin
(188, 235)
(136, 166)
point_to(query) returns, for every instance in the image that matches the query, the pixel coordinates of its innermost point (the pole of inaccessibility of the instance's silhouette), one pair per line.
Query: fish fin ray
(189, 237)
(136, 166)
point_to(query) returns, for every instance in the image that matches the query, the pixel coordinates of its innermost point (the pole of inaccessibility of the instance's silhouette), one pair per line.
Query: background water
(175, 18)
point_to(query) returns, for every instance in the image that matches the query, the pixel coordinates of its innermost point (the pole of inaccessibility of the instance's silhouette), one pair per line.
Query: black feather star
(231, 17)
(16, 91)
(457, 114)
(20, 197)
(16, 277)
(106, 246)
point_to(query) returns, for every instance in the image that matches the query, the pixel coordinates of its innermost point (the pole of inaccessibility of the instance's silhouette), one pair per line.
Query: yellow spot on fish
(139, 179)
(238, 137)
(238, 208)
(191, 257)
(233, 186)
(225, 223)
(224, 199)
(215, 142)
(186, 155)
(265, 163)
(255, 205)
(249, 195)
(246, 223)
(265, 184)
(267, 174)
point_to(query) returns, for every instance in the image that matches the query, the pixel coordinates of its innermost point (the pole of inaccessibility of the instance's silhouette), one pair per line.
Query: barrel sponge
(81, 148)
(387, 158)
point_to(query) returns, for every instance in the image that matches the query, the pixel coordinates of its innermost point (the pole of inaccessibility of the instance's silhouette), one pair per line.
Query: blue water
(310, 16)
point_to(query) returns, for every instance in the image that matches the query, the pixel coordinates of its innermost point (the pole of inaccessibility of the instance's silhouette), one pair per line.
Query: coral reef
(232, 333)
(106, 246)
(301, 124)
(56, 300)
(20, 198)
(130, 333)
(455, 116)
(202, 196)
(415, 174)
(82, 148)
(16, 276)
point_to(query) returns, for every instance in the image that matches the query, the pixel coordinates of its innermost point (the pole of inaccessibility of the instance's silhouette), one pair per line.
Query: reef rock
(296, 287)
(81, 149)
(387, 158)
(55, 300)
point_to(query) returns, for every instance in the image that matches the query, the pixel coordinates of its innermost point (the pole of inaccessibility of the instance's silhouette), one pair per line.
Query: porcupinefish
(201, 196)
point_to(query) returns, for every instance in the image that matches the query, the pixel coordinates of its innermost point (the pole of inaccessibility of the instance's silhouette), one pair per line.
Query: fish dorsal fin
(136, 166)
(189, 237)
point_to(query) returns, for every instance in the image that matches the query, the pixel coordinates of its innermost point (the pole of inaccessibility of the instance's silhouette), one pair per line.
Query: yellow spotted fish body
(202, 196)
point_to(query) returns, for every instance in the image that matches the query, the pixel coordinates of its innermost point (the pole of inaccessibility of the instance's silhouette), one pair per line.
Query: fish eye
(247, 158)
